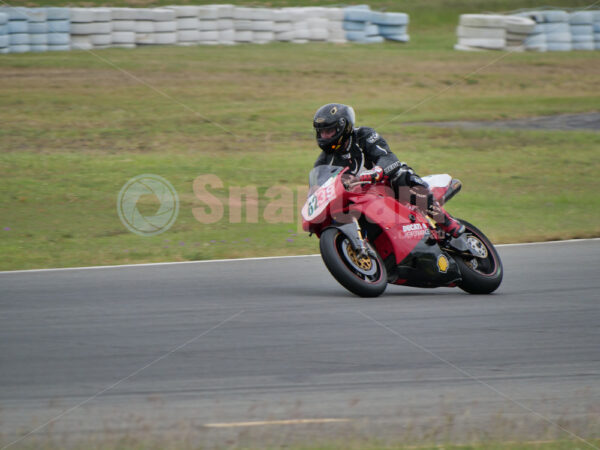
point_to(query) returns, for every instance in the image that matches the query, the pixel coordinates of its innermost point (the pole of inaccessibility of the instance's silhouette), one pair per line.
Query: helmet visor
(327, 133)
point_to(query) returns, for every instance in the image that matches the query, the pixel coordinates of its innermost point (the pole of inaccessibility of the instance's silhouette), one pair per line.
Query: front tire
(481, 274)
(365, 277)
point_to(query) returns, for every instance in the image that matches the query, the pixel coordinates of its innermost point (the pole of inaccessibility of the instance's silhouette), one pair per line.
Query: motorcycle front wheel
(481, 274)
(364, 276)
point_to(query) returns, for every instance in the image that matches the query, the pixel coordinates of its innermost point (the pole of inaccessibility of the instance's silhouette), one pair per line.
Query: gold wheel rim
(364, 262)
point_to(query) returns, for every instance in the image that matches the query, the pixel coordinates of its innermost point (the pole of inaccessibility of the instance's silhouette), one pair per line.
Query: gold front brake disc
(364, 262)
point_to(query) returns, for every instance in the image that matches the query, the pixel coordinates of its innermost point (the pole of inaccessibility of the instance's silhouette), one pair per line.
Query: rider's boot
(450, 225)
(436, 211)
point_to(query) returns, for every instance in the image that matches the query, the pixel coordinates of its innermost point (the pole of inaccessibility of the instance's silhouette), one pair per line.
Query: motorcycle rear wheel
(365, 277)
(480, 275)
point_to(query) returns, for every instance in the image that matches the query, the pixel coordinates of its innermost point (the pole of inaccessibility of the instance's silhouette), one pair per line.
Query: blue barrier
(365, 26)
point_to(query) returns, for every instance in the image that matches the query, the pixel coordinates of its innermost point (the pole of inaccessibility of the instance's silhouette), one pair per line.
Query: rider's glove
(415, 180)
(373, 176)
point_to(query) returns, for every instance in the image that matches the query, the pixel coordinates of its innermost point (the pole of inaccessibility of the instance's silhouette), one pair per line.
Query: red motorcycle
(369, 238)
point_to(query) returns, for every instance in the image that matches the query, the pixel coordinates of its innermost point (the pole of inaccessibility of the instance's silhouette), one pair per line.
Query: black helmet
(336, 122)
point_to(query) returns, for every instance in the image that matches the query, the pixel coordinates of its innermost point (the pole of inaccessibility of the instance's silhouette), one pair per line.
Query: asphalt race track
(196, 351)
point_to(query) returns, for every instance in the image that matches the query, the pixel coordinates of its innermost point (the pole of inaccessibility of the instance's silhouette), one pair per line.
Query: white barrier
(547, 30)
(41, 29)
(123, 33)
(188, 23)
(481, 31)
(91, 28)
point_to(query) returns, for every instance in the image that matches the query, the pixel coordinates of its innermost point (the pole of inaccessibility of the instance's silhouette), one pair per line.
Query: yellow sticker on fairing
(443, 264)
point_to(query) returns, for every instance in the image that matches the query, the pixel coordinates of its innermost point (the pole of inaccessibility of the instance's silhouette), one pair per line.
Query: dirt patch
(566, 122)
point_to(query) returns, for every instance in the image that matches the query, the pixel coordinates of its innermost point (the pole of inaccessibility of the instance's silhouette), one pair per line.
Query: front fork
(354, 234)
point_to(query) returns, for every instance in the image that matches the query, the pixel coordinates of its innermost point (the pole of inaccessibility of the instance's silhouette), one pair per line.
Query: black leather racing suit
(366, 150)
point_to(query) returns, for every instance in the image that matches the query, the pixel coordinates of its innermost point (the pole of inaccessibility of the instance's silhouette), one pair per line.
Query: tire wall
(53, 29)
(532, 30)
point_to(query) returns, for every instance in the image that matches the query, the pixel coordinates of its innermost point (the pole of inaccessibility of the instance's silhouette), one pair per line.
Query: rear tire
(480, 275)
(369, 279)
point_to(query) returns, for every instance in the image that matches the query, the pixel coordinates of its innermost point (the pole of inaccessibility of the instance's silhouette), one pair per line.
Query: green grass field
(76, 126)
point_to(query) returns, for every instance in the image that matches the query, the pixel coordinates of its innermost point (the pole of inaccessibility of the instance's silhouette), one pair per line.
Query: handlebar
(348, 183)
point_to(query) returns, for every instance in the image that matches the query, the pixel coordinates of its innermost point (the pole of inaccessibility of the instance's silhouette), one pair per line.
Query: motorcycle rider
(370, 158)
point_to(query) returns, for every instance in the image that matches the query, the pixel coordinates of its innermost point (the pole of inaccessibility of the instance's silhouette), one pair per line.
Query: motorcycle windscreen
(320, 175)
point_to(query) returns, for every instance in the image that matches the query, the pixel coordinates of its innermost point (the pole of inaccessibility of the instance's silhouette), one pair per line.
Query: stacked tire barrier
(596, 30)
(59, 29)
(365, 26)
(358, 26)
(392, 26)
(536, 40)
(91, 28)
(581, 25)
(253, 25)
(4, 42)
(550, 30)
(518, 30)
(42, 29)
(481, 31)
(18, 30)
(557, 31)
(38, 30)
(144, 27)
(335, 26)
(188, 25)
(216, 25)
(124, 25)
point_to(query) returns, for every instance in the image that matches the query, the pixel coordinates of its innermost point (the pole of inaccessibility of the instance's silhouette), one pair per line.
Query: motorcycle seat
(443, 186)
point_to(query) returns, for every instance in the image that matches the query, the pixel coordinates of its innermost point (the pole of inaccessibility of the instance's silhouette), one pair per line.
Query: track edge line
(260, 258)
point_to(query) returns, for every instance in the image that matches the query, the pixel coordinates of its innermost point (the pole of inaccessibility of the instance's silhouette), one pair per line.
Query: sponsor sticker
(443, 263)
(414, 230)
(412, 227)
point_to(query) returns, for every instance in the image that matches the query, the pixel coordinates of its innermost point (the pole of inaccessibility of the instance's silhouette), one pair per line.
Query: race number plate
(316, 203)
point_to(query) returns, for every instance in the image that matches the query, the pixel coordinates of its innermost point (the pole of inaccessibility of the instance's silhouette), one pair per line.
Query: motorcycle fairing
(399, 234)
(427, 266)
(421, 267)
(417, 256)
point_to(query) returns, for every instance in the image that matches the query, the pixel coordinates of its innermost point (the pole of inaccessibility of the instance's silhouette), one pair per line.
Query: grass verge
(76, 126)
